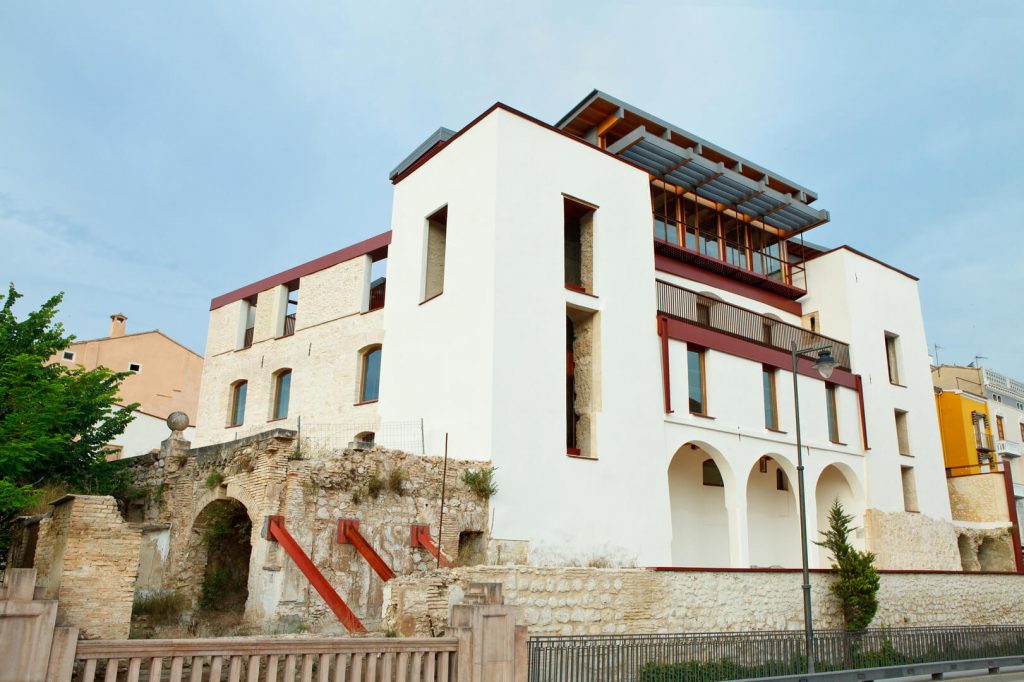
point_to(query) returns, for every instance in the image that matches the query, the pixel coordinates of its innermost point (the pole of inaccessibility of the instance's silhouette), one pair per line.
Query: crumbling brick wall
(87, 558)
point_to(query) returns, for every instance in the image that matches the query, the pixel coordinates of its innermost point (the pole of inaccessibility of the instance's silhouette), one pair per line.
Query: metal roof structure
(686, 160)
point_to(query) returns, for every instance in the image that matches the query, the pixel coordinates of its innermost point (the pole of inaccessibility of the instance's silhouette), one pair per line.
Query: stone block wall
(87, 558)
(911, 541)
(978, 498)
(578, 601)
(312, 490)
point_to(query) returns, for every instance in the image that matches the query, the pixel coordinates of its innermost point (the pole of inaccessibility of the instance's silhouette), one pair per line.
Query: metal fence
(714, 656)
(397, 435)
(724, 317)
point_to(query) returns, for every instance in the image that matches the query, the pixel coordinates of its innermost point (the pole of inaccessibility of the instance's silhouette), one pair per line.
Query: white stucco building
(603, 309)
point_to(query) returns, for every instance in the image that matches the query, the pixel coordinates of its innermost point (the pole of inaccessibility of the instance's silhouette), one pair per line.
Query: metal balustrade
(713, 656)
(712, 313)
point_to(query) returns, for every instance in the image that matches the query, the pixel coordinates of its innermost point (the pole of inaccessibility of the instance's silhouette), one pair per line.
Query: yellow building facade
(965, 428)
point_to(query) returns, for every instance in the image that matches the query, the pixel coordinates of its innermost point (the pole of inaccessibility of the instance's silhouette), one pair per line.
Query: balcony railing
(984, 442)
(247, 338)
(755, 266)
(711, 313)
(289, 325)
(377, 296)
(1008, 448)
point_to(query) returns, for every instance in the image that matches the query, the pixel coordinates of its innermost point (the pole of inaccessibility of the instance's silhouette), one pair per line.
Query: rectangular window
(999, 427)
(291, 309)
(134, 367)
(902, 433)
(248, 321)
(780, 480)
(582, 395)
(909, 489)
(771, 413)
(1022, 432)
(282, 392)
(891, 357)
(370, 389)
(830, 408)
(69, 356)
(579, 245)
(437, 244)
(695, 376)
(711, 474)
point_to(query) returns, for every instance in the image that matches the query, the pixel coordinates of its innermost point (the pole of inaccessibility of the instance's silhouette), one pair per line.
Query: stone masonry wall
(312, 491)
(87, 558)
(980, 498)
(576, 601)
(911, 541)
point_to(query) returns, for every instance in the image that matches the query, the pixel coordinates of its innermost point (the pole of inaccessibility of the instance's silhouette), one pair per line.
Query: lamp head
(825, 364)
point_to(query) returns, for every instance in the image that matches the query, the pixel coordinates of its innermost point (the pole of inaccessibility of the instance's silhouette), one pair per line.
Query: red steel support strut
(421, 538)
(276, 532)
(348, 533)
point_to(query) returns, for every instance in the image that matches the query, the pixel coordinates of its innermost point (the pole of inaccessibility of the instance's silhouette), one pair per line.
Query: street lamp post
(825, 364)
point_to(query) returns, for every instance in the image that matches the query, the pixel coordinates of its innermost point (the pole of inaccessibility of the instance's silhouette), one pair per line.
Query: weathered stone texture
(634, 601)
(911, 541)
(87, 559)
(312, 491)
(979, 498)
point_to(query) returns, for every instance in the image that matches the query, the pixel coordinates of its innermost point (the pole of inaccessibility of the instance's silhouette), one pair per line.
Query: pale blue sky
(154, 155)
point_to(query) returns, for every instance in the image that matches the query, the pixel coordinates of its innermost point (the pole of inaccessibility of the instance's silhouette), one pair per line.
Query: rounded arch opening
(773, 520)
(699, 479)
(836, 483)
(221, 544)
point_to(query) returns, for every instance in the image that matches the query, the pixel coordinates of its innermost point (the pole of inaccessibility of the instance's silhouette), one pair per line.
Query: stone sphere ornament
(177, 421)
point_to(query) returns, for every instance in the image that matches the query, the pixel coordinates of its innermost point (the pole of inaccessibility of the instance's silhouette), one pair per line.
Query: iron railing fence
(715, 656)
(724, 317)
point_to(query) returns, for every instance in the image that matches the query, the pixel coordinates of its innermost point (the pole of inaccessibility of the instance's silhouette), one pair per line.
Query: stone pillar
(492, 648)
(174, 449)
(739, 535)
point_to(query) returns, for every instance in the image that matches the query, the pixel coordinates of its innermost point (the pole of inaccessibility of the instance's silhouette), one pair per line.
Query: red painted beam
(421, 538)
(277, 532)
(348, 533)
(1011, 506)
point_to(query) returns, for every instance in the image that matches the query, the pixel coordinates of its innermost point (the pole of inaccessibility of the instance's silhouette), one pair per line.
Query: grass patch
(214, 479)
(163, 607)
(374, 486)
(396, 480)
(481, 481)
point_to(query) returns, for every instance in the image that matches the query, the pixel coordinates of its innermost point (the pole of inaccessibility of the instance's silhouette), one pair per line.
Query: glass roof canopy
(688, 169)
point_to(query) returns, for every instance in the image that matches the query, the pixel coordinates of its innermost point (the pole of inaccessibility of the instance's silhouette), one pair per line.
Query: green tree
(55, 422)
(856, 583)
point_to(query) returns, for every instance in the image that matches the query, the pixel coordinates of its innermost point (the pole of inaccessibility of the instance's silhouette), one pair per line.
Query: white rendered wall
(859, 300)
(486, 359)
(145, 433)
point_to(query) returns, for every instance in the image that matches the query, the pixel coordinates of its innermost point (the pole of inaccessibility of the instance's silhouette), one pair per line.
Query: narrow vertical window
(999, 428)
(282, 392)
(248, 321)
(696, 379)
(771, 414)
(909, 489)
(830, 408)
(238, 391)
(571, 418)
(437, 243)
(891, 348)
(582, 392)
(1022, 432)
(578, 219)
(291, 309)
(781, 483)
(902, 433)
(369, 389)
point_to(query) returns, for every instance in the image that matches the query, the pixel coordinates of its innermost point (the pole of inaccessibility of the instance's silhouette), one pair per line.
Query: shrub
(162, 607)
(481, 482)
(397, 478)
(374, 486)
(214, 479)
(856, 583)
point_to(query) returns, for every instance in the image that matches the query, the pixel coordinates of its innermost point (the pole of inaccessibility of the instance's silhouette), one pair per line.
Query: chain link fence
(406, 436)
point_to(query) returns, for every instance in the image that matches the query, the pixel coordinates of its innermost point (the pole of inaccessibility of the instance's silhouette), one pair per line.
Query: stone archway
(699, 479)
(773, 520)
(220, 547)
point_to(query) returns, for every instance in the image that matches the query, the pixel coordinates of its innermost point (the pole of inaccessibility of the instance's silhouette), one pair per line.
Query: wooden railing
(269, 660)
(711, 313)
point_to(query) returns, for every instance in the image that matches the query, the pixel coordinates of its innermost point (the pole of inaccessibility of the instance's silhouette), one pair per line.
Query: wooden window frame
(999, 427)
(233, 403)
(364, 359)
(275, 406)
(701, 359)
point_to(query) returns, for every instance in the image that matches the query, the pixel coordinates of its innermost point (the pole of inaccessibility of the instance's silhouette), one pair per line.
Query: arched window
(711, 474)
(369, 388)
(282, 391)
(237, 414)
